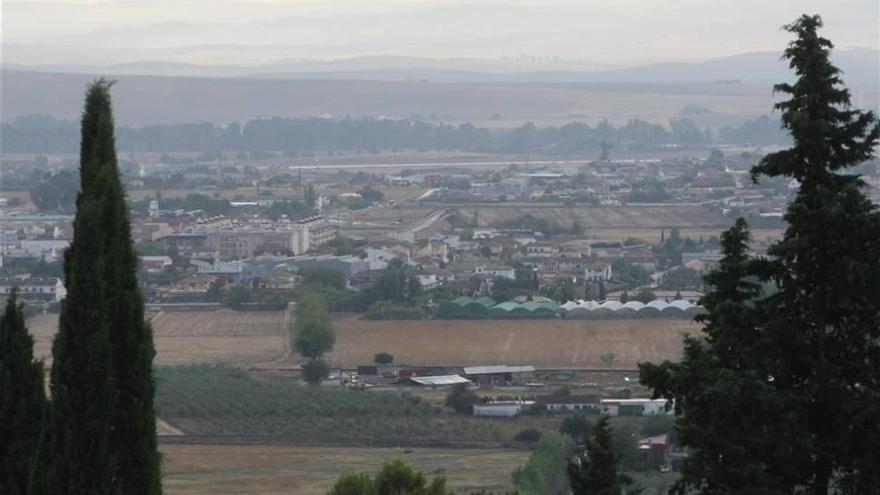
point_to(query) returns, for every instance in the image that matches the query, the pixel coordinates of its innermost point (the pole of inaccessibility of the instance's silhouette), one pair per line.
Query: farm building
(635, 407)
(437, 380)
(652, 450)
(465, 308)
(501, 409)
(379, 370)
(572, 403)
(499, 375)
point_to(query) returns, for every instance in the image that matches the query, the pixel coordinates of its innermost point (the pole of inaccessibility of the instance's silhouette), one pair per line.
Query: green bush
(461, 398)
(315, 370)
(383, 358)
(529, 435)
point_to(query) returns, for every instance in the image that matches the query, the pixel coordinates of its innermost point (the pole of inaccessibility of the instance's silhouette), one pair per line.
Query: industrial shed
(438, 380)
(499, 375)
(636, 407)
(501, 409)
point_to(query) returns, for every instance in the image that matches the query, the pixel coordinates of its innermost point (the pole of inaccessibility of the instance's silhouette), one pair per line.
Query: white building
(598, 274)
(222, 268)
(573, 403)
(636, 407)
(41, 289)
(498, 271)
(310, 233)
(501, 409)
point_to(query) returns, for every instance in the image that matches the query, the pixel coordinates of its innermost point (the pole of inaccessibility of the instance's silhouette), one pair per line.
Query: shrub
(461, 398)
(529, 435)
(383, 358)
(315, 370)
(577, 426)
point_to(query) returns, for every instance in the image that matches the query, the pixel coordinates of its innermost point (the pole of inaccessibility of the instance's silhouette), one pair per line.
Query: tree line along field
(548, 344)
(283, 470)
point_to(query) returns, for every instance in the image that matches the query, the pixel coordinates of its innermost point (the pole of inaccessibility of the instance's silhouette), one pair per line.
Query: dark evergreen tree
(102, 420)
(826, 314)
(597, 471)
(81, 459)
(134, 441)
(22, 403)
(721, 374)
(782, 395)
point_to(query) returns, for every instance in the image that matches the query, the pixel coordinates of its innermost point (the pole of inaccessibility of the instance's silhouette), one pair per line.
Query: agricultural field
(285, 470)
(551, 344)
(208, 400)
(222, 336)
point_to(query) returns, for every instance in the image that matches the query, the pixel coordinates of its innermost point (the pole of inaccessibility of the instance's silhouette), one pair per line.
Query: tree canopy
(776, 396)
(22, 403)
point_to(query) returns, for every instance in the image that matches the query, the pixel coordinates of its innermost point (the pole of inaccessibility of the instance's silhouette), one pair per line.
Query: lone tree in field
(313, 336)
(597, 471)
(102, 423)
(797, 367)
(22, 403)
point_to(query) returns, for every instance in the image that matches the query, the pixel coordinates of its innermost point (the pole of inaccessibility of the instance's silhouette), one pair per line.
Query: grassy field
(223, 336)
(271, 470)
(543, 343)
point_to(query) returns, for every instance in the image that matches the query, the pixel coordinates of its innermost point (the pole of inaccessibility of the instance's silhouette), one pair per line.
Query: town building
(46, 289)
(590, 404)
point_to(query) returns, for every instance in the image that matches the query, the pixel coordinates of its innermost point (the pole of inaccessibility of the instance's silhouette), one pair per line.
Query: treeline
(306, 136)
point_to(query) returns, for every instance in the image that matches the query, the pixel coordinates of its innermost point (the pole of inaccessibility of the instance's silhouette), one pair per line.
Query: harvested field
(266, 470)
(548, 344)
(222, 336)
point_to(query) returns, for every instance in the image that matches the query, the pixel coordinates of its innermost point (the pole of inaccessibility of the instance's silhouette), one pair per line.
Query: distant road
(427, 221)
(440, 164)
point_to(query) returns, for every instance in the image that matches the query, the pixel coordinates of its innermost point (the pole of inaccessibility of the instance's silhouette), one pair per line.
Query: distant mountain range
(495, 93)
(861, 68)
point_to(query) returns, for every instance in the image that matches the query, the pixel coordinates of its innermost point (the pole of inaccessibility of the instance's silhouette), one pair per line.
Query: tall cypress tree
(597, 471)
(133, 441)
(103, 425)
(800, 366)
(22, 402)
(84, 397)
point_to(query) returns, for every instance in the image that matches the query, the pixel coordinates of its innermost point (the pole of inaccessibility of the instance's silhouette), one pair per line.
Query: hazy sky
(600, 33)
